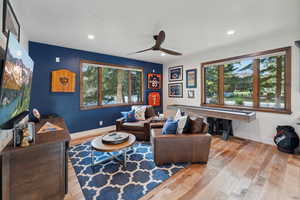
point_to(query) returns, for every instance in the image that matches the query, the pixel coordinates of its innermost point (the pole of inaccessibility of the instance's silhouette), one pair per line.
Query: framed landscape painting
(154, 81)
(191, 78)
(175, 73)
(175, 90)
(10, 22)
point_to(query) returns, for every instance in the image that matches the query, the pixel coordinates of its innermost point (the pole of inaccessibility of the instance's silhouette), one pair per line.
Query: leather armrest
(122, 119)
(119, 123)
(205, 127)
(149, 119)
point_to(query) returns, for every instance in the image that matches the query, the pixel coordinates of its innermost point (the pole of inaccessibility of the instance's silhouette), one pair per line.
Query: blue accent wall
(67, 105)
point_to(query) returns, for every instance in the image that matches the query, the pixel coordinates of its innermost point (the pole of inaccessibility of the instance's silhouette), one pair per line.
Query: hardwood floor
(237, 170)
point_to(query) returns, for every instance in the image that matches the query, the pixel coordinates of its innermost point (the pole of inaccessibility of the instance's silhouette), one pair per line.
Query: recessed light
(163, 54)
(91, 37)
(230, 32)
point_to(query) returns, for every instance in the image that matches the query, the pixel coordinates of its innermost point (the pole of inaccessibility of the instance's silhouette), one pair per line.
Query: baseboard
(92, 132)
(263, 140)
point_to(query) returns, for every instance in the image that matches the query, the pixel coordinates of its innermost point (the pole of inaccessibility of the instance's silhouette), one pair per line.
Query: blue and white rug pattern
(113, 181)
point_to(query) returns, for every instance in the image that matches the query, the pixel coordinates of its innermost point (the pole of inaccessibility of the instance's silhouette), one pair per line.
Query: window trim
(287, 86)
(100, 105)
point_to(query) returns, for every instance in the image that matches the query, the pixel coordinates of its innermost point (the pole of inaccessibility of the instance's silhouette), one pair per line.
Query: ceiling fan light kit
(159, 39)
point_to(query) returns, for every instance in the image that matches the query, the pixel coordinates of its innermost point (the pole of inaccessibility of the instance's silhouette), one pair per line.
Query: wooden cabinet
(39, 171)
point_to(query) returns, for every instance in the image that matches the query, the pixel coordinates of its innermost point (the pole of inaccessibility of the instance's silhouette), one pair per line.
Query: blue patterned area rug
(113, 181)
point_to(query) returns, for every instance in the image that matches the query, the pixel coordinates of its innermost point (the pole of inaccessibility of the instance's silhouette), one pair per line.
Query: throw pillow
(129, 116)
(178, 114)
(196, 124)
(170, 127)
(187, 126)
(140, 112)
(181, 124)
(150, 112)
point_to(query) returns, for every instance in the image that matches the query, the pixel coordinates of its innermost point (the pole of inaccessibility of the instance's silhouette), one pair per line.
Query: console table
(224, 115)
(39, 171)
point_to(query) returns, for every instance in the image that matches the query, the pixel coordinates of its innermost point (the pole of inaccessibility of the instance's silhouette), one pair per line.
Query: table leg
(227, 129)
(115, 157)
(125, 158)
(92, 156)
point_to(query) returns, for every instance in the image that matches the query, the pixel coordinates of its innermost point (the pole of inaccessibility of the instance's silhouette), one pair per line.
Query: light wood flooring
(237, 169)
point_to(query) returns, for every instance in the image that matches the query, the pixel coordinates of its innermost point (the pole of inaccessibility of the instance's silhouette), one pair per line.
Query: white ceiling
(121, 27)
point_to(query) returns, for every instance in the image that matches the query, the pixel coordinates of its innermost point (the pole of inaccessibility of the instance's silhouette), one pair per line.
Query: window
(259, 81)
(211, 84)
(109, 85)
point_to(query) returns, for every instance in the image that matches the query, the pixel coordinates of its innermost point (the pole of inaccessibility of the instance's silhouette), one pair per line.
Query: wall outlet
(100, 123)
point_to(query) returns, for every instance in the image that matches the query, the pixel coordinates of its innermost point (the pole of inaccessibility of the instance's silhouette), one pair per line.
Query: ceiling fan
(159, 39)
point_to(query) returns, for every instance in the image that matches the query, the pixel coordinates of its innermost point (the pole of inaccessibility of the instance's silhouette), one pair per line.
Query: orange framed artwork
(154, 81)
(63, 81)
(154, 99)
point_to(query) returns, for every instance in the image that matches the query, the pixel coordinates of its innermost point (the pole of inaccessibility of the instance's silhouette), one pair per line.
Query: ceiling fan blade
(160, 39)
(171, 52)
(142, 51)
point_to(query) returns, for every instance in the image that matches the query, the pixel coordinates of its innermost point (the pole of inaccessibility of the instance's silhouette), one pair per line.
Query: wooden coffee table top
(98, 145)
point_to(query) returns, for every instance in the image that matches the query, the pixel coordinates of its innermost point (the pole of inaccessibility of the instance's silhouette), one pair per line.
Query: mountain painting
(16, 81)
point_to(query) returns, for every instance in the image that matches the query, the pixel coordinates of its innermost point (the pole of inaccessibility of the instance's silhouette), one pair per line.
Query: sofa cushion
(181, 124)
(129, 116)
(150, 112)
(187, 127)
(178, 114)
(134, 126)
(196, 124)
(140, 112)
(170, 127)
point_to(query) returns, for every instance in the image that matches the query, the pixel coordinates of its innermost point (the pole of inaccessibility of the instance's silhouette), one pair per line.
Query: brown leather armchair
(191, 147)
(141, 129)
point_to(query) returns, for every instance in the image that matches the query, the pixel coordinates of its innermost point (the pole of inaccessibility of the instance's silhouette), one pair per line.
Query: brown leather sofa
(141, 129)
(188, 147)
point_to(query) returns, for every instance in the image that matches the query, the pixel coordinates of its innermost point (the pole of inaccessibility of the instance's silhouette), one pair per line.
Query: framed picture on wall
(175, 90)
(191, 78)
(191, 94)
(63, 81)
(154, 81)
(10, 22)
(175, 73)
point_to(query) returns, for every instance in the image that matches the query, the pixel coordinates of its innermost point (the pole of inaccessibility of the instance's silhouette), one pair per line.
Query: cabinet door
(37, 173)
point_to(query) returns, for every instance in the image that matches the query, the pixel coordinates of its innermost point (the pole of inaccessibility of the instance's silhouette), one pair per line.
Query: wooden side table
(98, 145)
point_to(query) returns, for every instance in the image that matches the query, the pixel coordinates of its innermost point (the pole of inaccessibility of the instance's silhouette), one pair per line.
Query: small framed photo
(175, 73)
(10, 22)
(154, 81)
(191, 94)
(191, 78)
(175, 90)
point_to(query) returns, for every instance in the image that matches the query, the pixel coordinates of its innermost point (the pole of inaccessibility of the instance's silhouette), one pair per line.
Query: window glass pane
(136, 86)
(211, 85)
(114, 86)
(238, 83)
(272, 82)
(90, 85)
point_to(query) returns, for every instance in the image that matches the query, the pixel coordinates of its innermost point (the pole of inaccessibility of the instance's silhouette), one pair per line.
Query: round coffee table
(123, 148)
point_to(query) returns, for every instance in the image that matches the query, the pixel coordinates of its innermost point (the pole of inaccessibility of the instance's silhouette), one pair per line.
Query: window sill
(269, 110)
(109, 106)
